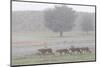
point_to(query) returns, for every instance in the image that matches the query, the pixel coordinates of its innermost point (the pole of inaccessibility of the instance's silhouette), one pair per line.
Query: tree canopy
(60, 19)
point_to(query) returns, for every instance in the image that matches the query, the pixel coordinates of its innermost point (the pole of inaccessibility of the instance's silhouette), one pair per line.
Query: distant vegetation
(62, 17)
(88, 22)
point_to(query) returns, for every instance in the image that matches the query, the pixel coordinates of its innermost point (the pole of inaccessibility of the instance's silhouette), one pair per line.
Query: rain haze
(45, 33)
(25, 6)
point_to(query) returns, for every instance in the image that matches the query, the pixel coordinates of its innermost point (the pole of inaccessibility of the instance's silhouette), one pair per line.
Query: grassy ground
(53, 59)
(28, 43)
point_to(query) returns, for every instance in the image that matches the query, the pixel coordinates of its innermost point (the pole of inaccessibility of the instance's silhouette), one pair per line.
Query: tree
(60, 19)
(88, 22)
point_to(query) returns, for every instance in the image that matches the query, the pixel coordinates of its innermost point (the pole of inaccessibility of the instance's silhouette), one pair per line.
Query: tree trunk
(87, 32)
(61, 34)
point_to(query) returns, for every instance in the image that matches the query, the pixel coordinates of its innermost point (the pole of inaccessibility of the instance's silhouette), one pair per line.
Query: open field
(53, 59)
(25, 46)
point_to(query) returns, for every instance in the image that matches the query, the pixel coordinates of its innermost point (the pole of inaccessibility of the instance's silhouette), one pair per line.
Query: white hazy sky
(23, 6)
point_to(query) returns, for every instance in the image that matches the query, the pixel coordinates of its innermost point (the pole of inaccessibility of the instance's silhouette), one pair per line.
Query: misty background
(41, 25)
(29, 17)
